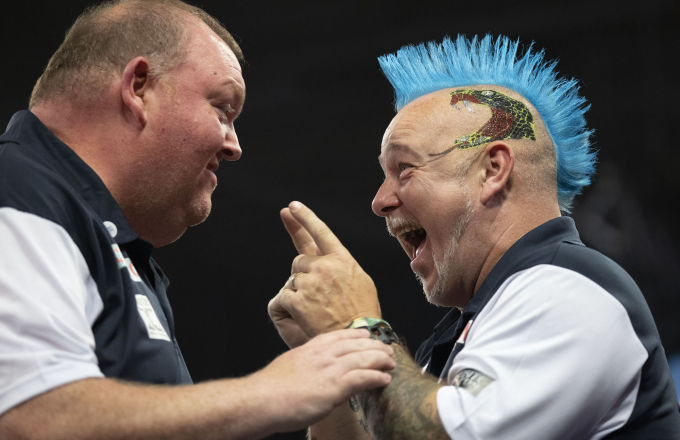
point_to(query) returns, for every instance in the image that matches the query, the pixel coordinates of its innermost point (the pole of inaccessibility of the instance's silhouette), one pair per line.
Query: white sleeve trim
(564, 359)
(48, 303)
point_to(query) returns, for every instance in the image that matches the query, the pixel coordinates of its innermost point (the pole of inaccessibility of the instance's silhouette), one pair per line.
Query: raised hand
(288, 329)
(330, 289)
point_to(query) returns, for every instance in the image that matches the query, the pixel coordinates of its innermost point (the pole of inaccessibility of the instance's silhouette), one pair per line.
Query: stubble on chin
(199, 211)
(446, 269)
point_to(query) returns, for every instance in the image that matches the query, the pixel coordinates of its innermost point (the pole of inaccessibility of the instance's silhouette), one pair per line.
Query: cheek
(210, 129)
(436, 205)
(203, 135)
(420, 197)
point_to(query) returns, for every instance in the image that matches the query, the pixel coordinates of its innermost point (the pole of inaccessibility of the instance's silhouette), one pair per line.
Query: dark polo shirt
(41, 176)
(556, 243)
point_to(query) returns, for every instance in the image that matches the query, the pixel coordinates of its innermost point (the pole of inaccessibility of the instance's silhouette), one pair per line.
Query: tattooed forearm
(364, 425)
(354, 405)
(407, 408)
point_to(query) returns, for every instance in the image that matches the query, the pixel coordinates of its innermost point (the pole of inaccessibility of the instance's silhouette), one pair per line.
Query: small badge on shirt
(463, 336)
(153, 325)
(126, 263)
(472, 381)
(111, 227)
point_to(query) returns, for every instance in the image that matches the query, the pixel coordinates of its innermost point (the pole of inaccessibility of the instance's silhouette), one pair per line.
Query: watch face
(383, 332)
(379, 328)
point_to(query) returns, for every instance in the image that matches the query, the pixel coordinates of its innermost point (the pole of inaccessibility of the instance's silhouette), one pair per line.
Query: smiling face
(190, 129)
(427, 199)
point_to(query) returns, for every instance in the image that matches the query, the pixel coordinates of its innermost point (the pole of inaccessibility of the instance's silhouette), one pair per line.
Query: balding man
(546, 338)
(117, 155)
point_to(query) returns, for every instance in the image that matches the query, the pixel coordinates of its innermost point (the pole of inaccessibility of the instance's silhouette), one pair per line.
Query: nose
(386, 200)
(231, 150)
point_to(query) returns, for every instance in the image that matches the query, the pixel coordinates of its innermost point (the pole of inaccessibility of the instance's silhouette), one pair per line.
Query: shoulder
(568, 276)
(29, 184)
(557, 298)
(614, 280)
(594, 266)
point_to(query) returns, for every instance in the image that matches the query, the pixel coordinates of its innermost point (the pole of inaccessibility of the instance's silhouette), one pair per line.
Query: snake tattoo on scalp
(510, 119)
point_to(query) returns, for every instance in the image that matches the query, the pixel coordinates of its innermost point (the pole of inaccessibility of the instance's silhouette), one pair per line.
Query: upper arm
(48, 302)
(561, 355)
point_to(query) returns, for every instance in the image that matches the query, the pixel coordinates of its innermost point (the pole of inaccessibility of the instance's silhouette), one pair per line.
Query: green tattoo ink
(510, 119)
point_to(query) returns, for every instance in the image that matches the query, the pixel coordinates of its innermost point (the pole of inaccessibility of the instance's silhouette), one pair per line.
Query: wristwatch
(380, 329)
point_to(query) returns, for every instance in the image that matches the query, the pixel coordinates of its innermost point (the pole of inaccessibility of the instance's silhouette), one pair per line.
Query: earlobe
(134, 85)
(499, 161)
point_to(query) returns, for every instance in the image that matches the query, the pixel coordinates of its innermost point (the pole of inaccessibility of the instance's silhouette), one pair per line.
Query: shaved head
(473, 116)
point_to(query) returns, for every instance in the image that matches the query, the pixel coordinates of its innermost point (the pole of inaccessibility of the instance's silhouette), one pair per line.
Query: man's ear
(134, 84)
(497, 162)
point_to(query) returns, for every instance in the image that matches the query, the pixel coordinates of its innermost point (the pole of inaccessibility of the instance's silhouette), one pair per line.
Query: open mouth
(416, 240)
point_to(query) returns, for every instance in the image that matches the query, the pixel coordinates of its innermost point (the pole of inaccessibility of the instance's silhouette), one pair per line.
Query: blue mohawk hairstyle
(415, 71)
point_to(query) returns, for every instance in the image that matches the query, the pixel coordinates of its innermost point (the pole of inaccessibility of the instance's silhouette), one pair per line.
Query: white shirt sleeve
(48, 302)
(560, 357)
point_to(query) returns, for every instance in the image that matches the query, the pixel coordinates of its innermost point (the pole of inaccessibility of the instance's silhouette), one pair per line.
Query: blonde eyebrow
(395, 146)
(232, 87)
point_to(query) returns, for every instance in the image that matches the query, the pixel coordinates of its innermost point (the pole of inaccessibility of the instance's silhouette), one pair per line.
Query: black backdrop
(316, 109)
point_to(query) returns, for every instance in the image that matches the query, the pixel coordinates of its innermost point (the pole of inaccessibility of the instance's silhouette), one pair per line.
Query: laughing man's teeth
(411, 233)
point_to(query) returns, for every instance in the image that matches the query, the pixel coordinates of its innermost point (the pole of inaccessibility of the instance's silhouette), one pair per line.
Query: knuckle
(296, 262)
(335, 337)
(324, 265)
(293, 299)
(289, 299)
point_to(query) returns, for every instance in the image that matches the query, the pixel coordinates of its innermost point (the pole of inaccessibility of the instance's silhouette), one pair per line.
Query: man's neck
(92, 135)
(510, 229)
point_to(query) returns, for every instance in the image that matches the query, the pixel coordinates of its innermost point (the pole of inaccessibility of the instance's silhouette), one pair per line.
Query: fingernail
(295, 206)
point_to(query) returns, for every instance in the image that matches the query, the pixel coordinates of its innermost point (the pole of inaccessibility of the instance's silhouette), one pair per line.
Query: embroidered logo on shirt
(133, 272)
(153, 325)
(126, 263)
(471, 380)
(120, 259)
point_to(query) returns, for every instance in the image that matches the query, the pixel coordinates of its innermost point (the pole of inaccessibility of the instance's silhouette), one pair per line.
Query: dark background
(311, 129)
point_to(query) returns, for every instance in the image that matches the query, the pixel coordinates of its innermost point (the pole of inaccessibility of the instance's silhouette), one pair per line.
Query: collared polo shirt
(80, 294)
(557, 343)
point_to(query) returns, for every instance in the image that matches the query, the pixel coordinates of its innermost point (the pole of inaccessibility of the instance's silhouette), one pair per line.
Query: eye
(223, 111)
(221, 114)
(403, 166)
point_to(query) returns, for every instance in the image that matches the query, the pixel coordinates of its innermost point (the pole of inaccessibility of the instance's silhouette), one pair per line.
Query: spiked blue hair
(415, 71)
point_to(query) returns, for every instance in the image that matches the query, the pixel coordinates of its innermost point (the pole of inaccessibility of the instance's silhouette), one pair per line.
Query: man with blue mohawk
(546, 339)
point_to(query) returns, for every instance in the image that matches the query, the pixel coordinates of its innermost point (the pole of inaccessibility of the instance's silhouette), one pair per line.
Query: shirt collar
(526, 252)
(27, 130)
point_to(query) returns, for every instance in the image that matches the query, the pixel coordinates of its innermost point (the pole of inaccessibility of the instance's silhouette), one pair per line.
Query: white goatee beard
(445, 269)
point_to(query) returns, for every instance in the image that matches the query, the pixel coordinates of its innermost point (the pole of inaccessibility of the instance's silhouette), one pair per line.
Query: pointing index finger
(324, 238)
(304, 243)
